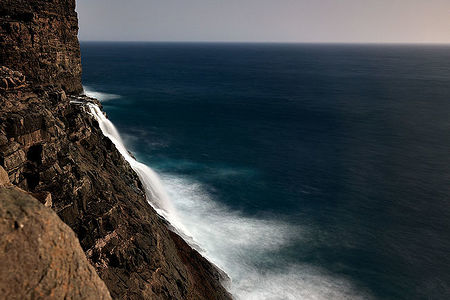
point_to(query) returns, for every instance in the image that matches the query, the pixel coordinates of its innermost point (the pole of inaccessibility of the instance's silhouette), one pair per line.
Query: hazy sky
(398, 21)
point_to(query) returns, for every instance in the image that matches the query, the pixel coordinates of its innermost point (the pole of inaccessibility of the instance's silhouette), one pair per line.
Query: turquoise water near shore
(304, 171)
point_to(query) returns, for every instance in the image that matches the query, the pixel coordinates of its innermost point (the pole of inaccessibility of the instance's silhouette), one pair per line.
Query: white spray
(154, 190)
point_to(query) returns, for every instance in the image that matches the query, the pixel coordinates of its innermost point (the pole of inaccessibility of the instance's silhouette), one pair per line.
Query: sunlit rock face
(40, 256)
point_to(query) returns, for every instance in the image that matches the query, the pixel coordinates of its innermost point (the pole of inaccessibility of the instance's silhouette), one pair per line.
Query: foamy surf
(230, 240)
(238, 244)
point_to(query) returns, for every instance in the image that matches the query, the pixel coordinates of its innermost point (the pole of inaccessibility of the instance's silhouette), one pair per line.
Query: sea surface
(303, 171)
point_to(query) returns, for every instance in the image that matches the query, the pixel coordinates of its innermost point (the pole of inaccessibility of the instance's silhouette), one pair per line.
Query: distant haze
(346, 21)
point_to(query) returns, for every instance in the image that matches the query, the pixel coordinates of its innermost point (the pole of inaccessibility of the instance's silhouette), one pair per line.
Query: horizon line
(268, 42)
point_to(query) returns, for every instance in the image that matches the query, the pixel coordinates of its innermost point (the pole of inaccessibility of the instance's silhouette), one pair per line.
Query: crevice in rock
(34, 154)
(32, 180)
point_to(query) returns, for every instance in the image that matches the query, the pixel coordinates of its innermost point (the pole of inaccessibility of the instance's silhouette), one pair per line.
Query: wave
(102, 97)
(237, 244)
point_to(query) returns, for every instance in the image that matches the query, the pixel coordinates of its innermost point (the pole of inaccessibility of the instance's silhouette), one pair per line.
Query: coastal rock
(4, 179)
(39, 39)
(44, 197)
(40, 257)
(11, 80)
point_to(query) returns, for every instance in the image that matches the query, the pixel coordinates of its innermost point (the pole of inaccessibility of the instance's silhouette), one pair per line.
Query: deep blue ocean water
(304, 171)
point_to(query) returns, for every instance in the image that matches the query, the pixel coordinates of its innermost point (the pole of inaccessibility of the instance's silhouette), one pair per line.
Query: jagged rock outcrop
(11, 80)
(40, 256)
(39, 38)
(51, 147)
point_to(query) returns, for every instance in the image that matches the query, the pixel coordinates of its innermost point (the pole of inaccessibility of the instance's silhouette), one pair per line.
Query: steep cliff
(53, 148)
(40, 37)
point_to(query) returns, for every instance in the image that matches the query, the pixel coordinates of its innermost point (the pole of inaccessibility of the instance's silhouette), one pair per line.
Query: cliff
(40, 38)
(52, 148)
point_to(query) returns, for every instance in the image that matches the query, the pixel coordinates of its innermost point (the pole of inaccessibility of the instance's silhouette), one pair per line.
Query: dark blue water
(323, 170)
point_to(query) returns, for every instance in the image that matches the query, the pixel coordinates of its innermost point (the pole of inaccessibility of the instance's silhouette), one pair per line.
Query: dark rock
(14, 160)
(39, 39)
(3, 139)
(11, 80)
(44, 197)
(40, 256)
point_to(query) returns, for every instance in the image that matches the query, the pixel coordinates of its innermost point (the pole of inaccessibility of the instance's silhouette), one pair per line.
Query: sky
(307, 21)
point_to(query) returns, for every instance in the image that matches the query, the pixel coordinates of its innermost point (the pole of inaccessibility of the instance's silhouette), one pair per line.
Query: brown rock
(44, 197)
(39, 39)
(3, 139)
(4, 179)
(40, 257)
(11, 80)
(14, 160)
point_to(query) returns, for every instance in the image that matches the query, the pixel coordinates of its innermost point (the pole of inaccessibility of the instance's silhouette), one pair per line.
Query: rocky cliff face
(52, 148)
(39, 38)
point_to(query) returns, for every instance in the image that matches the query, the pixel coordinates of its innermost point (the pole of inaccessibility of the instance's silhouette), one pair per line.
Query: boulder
(40, 256)
(4, 179)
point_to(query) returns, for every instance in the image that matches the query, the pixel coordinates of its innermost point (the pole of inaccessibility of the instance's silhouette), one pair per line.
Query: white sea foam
(102, 97)
(293, 283)
(235, 243)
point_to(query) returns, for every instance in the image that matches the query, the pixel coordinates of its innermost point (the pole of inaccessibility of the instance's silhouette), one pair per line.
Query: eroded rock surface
(11, 80)
(40, 256)
(39, 39)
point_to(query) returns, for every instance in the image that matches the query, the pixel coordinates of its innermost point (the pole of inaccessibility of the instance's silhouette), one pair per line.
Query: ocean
(304, 171)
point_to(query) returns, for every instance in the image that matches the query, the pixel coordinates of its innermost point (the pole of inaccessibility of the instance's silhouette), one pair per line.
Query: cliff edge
(52, 148)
